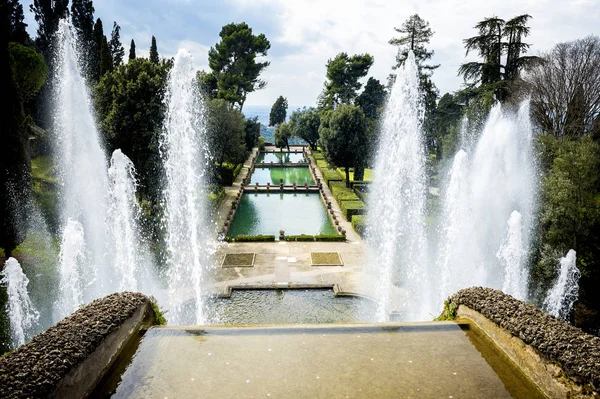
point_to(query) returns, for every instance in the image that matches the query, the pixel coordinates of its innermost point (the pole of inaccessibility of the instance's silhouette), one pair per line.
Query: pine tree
(117, 51)
(132, 50)
(154, 52)
(278, 111)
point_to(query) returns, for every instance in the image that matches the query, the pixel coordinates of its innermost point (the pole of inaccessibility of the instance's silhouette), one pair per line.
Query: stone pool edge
(560, 359)
(71, 357)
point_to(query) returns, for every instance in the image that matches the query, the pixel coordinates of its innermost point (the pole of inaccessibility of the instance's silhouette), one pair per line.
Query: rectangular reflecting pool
(290, 176)
(294, 213)
(276, 157)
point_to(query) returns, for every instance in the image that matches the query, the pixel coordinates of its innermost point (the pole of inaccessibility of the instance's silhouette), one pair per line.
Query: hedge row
(258, 238)
(342, 193)
(318, 237)
(359, 224)
(318, 155)
(352, 208)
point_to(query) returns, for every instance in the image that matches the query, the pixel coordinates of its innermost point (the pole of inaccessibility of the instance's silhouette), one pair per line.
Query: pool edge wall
(522, 331)
(70, 358)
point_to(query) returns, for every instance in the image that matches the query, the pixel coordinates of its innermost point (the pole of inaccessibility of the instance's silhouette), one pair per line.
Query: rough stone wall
(577, 352)
(36, 368)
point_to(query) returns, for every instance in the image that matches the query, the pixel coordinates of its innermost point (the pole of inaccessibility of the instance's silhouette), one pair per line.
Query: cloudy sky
(304, 34)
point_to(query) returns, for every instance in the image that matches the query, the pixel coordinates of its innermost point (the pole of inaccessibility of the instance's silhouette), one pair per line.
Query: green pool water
(294, 213)
(299, 176)
(277, 157)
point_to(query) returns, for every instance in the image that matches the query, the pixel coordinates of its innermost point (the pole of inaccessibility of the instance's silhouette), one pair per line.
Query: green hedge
(322, 164)
(318, 155)
(359, 224)
(330, 175)
(319, 237)
(259, 238)
(351, 208)
(330, 237)
(342, 193)
(237, 170)
(301, 237)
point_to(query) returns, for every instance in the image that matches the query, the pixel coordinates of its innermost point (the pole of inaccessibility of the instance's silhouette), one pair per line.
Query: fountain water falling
(185, 217)
(396, 222)
(512, 257)
(124, 213)
(22, 315)
(559, 300)
(73, 263)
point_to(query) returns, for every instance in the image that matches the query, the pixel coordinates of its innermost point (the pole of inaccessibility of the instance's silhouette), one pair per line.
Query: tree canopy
(233, 63)
(278, 111)
(305, 125)
(372, 99)
(343, 138)
(226, 132)
(343, 75)
(283, 133)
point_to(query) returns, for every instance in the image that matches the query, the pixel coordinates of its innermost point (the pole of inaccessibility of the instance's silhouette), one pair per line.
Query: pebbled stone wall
(576, 352)
(41, 367)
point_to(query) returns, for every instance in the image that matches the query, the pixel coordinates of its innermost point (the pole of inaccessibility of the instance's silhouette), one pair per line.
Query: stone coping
(576, 352)
(56, 363)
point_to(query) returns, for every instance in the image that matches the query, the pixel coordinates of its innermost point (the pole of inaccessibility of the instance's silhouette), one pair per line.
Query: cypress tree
(117, 51)
(132, 50)
(154, 52)
(106, 62)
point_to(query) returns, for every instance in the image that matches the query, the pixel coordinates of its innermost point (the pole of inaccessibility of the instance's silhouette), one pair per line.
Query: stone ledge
(69, 358)
(565, 353)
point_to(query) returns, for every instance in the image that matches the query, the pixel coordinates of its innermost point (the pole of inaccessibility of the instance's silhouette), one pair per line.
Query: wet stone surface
(577, 352)
(35, 369)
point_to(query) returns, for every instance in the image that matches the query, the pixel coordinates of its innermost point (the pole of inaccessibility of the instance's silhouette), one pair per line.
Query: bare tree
(565, 89)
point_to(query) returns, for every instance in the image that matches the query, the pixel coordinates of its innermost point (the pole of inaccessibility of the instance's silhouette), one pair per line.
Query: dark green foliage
(278, 111)
(117, 52)
(14, 157)
(330, 237)
(227, 173)
(95, 61)
(305, 125)
(29, 70)
(372, 99)
(283, 133)
(132, 50)
(233, 62)
(500, 46)
(47, 14)
(444, 124)
(159, 314)
(344, 138)
(129, 104)
(252, 133)
(342, 193)
(261, 143)
(154, 52)
(259, 238)
(301, 237)
(343, 75)
(209, 86)
(17, 26)
(226, 128)
(351, 208)
(359, 224)
(570, 212)
(106, 62)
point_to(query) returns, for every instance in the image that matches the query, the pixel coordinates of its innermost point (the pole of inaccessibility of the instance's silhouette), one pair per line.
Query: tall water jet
(396, 219)
(492, 181)
(512, 257)
(22, 315)
(83, 172)
(73, 266)
(123, 213)
(185, 217)
(561, 297)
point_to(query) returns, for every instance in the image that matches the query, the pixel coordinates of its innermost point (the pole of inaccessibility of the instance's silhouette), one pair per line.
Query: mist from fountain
(22, 315)
(185, 218)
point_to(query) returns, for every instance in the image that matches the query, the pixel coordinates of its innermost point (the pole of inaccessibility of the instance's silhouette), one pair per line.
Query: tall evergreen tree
(18, 32)
(278, 111)
(106, 61)
(154, 52)
(416, 34)
(233, 62)
(372, 98)
(499, 44)
(117, 51)
(132, 50)
(82, 15)
(47, 13)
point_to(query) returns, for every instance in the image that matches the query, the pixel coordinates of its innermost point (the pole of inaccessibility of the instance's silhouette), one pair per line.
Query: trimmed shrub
(322, 164)
(351, 208)
(301, 237)
(237, 170)
(330, 175)
(260, 238)
(261, 143)
(330, 237)
(359, 224)
(318, 155)
(342, 193)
